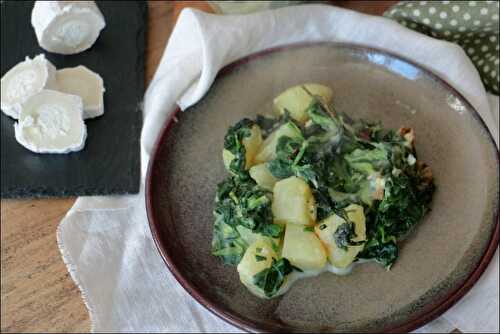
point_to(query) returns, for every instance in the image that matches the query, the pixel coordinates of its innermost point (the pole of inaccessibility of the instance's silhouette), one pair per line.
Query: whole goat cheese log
(51, 122)
(85, 83)
(67, 27)
(25, 80)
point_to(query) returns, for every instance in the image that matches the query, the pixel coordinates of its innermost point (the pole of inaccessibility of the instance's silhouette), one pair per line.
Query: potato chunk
(303, 248)
(293, 202)
(326, 229)
(297, 99)
(258, 257)
(267, 151)
(252, 145)
(261, 174)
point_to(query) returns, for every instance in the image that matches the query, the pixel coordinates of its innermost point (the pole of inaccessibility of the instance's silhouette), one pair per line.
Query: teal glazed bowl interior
(438, 263)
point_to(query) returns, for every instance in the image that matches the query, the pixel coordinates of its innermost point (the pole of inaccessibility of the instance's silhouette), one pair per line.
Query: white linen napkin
(106, 242)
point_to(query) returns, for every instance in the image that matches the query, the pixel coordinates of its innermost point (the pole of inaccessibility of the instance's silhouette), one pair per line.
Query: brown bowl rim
(427, 314)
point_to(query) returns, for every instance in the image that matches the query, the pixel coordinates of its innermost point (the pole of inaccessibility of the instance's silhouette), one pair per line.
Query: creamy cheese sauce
(295, 276)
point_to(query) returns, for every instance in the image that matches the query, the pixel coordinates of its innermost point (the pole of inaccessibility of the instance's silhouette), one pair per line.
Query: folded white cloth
(106, 242)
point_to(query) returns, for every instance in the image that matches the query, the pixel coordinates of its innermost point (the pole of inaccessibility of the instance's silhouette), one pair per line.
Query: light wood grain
(37, 293)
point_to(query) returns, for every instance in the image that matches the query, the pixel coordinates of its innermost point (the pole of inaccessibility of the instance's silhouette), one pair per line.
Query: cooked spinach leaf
(319, 115)
(269, 124)
(244, 203)
(260, 258)
(227, 243)
(291, 160)
(384, 253)
(406, 200)
(266, 124)
(233, 142)
(240, 202)
(271, 279)
(344, 234)
(403, 206)
(368, 161)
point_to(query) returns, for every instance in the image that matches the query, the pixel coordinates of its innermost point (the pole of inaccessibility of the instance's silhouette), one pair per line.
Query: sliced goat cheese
(25, 80)
(87, 84)
(51, 122)
(67, 27)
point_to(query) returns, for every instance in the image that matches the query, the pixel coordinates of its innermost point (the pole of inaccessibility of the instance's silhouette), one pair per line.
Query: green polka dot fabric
(473, 25)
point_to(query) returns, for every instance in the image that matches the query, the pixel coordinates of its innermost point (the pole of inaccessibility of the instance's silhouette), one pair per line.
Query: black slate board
(110, 161)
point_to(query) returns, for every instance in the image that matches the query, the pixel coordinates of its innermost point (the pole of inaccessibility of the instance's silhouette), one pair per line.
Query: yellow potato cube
(303, 248)
(258, 257)
(267, 151)
(326, 229)
(293, 202)
(252, 146)
(261, 174)
(297, 99)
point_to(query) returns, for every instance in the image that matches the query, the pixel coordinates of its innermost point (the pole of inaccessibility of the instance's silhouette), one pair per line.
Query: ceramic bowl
(438, 263)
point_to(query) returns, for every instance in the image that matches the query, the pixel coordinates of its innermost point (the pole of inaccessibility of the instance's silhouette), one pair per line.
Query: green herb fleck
(233, 142)
(344, 234)
(275, 246)
(260, 258)
(271, 279)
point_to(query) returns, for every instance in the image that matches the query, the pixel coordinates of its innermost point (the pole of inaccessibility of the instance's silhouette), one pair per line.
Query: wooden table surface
(37, 293)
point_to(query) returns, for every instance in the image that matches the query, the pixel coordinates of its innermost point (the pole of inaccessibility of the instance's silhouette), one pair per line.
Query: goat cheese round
(25, 80)
(51, 122)
(67, 27)
(85, 83)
